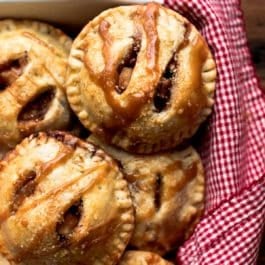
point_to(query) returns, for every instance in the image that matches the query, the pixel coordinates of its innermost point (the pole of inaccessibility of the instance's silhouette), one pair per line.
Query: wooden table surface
(254, 11)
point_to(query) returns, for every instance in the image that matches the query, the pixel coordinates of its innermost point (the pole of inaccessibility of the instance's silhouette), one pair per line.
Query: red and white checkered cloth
(233, 148)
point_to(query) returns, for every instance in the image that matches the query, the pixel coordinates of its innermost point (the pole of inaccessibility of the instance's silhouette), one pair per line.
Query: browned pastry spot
(11, 70)
(38, 107)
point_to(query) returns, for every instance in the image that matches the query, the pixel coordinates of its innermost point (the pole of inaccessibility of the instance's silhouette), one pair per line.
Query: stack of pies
(141, 80)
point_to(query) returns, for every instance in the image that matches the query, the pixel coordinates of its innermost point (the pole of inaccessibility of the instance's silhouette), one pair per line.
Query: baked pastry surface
(142, 258)
(33, 63)
(168, 195)
(63, 201)
(3, 261)
(141, 77)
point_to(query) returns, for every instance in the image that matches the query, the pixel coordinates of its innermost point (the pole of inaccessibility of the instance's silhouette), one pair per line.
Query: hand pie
(142, 258)
(141, 77)
(33, 63)
(63, 202)
(168, 194)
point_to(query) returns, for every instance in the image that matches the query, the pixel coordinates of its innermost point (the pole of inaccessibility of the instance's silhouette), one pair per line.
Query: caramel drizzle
(43, 64)
(59, 85)
(104, 167)
(64, 154)
(68, 184)
(31, 123)
(189, 171)
(126, 111)
(186, 37)
(48, 71)
(97, 229)
(33, 37)
(45, 168)
(150, 28)
(101, 232)
(152, 258)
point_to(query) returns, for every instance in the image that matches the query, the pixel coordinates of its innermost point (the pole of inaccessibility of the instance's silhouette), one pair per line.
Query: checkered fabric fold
(233, 145)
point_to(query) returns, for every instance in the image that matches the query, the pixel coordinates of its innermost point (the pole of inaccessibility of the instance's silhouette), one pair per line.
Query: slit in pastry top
(11, 70)
(125, 111)
(38, 107)
(115, 78)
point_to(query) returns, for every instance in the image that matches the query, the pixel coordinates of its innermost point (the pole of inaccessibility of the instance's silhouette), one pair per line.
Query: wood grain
(254, 11)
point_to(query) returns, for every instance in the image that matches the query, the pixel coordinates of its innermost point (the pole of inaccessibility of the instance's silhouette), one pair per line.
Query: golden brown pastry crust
(4, 261)
(33, 63)
(63, 201)
(168, 195)
(142, 258)
(147, 72)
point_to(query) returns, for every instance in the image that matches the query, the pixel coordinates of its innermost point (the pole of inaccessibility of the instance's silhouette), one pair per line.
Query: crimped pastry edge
(209, 75)
(124, 202)
(39, 27)
(196, 203)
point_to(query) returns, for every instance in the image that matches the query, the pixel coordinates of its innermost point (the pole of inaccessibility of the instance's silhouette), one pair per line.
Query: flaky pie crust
(168, 195)
(33, 62)
(143, 258)
(141, 77)
(63, 201)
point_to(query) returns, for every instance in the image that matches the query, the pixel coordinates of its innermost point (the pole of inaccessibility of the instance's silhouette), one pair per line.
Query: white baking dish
(72, 13)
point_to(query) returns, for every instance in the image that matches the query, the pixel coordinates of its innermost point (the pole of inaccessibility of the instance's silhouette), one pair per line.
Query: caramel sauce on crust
(164, 196)
(189, 172)
(153, 259)
(22, 253)
(126, 107)
(33, 37)
(126, 111)
(100, 170)
(150, 28)
(71, 143)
